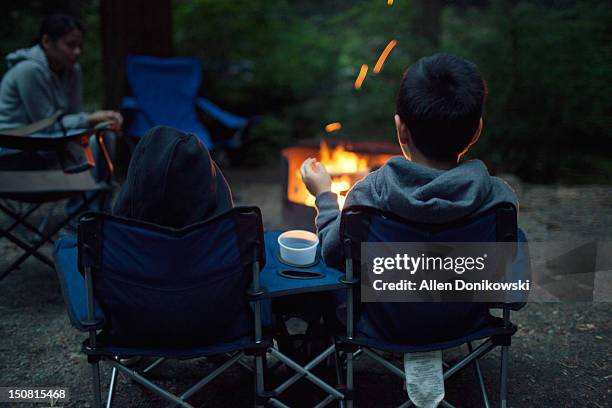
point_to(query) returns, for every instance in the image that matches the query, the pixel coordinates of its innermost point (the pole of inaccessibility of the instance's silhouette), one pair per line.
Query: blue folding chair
(420, 327)
(144, 290)
(166, 93)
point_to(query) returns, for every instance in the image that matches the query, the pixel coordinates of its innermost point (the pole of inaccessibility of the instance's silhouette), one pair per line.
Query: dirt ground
(560, 357)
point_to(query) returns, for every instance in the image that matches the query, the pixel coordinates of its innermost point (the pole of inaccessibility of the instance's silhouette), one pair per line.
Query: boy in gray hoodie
(438, 118)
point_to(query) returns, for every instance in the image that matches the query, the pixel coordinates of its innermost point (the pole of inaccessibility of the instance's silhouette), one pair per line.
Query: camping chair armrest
(228, 119)
(129, 103)
(73, 285)
(41, 141)
(33, 127)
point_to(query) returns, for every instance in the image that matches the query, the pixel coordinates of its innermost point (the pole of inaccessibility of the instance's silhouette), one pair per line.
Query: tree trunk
(132, 27)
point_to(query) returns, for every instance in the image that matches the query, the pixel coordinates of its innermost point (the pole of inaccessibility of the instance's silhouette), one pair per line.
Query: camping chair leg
(503, 380)
(29, 250)
(338, 365)
(43, 224)
(20, 218)
(151, 386)
(95, 372)
(211, 376)
(259, 379)
(259, 367)
(111, 388)
(483, 389)
(154, 364)
(390, 366)
(349, 377)
(503, 388)
(328, 400)
(276, 403)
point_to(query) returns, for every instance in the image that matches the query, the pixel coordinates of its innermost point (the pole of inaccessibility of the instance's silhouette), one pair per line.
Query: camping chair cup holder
(37, 187)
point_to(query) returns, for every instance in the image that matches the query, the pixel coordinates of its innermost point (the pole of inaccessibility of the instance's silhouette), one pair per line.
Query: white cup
(298, 247)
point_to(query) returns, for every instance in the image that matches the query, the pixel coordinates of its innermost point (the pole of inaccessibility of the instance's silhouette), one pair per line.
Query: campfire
(345, 168)
(347, 163)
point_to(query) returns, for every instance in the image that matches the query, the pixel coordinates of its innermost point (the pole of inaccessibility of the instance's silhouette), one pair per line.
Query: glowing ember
(332, 127)
(383, 56)
(361, 77)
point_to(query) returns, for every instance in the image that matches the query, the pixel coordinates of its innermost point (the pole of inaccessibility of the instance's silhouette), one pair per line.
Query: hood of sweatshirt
(172, 181)
(34, 53)
(435, 196)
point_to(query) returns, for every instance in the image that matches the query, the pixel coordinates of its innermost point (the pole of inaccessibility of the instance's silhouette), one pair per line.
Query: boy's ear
(478, 132)
(403, 134)
(474, 139)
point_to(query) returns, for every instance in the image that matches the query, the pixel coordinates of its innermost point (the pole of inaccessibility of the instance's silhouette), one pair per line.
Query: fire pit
(347, 162)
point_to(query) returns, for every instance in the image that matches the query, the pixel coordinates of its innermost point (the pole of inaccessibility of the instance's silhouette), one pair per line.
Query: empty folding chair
(166, 93)
(37, 187)
(421, 327)
(145, 290)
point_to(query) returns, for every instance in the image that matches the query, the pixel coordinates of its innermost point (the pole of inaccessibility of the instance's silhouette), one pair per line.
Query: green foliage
(294, 62)
(304, 56)
(548, 69)
(549, 76)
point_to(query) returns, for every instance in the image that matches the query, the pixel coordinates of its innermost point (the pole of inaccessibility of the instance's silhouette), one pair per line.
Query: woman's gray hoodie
(416, 193)
(31, 91)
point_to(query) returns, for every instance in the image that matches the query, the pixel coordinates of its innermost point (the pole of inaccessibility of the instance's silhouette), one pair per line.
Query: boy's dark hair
(57, 25)
(440, 100)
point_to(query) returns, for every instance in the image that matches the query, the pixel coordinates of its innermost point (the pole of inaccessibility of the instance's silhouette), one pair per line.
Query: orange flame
(332, 127)
(383, 56)
(344, 167)
(339, 161)
(361, 77)
(390, 2)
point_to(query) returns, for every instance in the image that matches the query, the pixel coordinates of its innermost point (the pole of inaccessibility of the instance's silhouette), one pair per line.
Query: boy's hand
(315, 177)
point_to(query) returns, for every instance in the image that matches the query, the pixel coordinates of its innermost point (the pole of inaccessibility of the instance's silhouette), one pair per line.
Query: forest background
(548, 65)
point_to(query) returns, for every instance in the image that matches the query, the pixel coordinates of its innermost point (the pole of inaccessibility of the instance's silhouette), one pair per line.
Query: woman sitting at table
(172, 181)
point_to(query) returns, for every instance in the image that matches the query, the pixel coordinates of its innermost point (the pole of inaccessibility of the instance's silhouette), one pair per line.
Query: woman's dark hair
(440, 100)
(57, 25)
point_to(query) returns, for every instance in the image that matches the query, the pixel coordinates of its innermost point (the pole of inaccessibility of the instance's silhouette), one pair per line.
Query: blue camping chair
(421, 327)
(166, 93)
(144, 290)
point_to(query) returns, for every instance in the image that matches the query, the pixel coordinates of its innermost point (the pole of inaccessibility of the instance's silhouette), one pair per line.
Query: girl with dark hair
(42, 80)
(47, 77)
